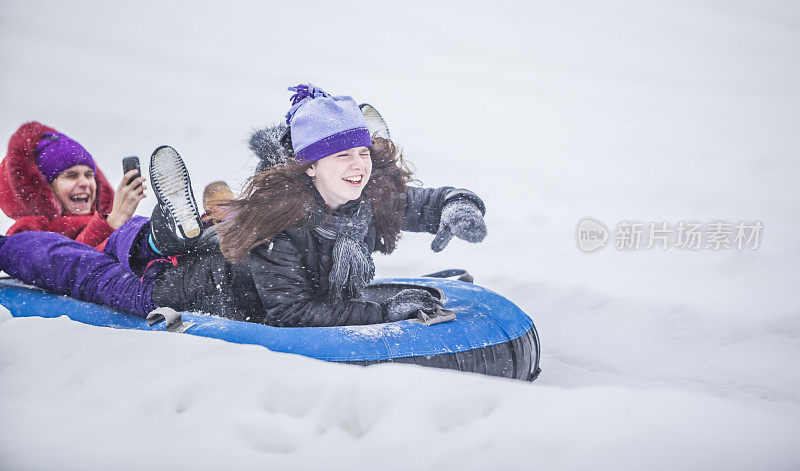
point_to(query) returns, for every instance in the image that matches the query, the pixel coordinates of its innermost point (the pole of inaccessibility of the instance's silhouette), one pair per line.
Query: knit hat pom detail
(303, 92)
(47, 139)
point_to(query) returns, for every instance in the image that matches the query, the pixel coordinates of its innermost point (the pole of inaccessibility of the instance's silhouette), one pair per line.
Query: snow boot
(216, 194)
(175, 225)
(375, 122)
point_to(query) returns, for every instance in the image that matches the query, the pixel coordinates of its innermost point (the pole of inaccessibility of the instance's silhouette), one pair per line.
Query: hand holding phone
(127, 198)
(131, 163)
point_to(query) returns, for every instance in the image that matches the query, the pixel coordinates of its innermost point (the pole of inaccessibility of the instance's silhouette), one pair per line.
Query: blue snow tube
(489, 335)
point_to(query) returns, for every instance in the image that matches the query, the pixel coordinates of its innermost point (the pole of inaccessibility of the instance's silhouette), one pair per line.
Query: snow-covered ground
(552, 112)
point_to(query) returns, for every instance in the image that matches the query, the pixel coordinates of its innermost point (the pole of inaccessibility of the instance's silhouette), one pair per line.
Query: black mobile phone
(130, 163)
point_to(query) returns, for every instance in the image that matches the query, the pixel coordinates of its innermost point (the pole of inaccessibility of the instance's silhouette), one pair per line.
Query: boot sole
(375, 122)
(173, 189)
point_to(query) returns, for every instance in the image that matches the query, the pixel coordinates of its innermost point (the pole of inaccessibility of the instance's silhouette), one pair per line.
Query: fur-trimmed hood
(24, 190)
(266, 144)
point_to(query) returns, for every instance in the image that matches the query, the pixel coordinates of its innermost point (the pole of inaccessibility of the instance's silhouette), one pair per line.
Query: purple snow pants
(58, 263)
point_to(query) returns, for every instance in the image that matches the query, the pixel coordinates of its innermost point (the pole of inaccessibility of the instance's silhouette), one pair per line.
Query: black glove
(460, 218)
(406, 303)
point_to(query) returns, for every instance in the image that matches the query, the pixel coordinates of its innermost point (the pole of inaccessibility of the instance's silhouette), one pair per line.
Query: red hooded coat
(26, 197)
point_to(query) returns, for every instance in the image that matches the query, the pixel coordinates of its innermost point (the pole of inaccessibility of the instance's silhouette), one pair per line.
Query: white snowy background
(551, 111)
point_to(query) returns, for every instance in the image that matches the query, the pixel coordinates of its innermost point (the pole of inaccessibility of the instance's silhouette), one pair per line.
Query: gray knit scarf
(352, 266)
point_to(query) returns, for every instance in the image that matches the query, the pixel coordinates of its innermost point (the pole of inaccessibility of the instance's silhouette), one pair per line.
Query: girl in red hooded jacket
(49, 182)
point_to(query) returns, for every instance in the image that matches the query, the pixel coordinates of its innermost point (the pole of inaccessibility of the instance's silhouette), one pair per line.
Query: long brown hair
(282, 197)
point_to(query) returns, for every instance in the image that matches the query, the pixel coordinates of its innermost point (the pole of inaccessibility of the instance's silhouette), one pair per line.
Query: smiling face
(341, 177)
(76, 188)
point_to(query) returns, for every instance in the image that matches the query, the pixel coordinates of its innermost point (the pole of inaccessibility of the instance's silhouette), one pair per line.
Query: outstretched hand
(460, 218)
(126, 199)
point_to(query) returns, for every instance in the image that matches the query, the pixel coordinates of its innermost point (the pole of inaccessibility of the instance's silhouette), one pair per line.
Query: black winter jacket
(285, 281)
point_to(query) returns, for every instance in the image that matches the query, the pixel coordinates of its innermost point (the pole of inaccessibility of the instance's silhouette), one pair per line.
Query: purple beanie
(322, 125)
(56, 153)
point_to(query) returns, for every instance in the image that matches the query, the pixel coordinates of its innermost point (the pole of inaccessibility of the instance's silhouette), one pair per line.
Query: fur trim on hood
(24, 190)
(266, 144)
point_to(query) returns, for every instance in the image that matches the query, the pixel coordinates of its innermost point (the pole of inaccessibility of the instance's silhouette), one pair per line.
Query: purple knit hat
(56, 153)
(322, 125)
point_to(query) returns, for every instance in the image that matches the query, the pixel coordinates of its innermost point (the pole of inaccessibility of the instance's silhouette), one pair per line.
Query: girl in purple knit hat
(294, 250)
(49, 182)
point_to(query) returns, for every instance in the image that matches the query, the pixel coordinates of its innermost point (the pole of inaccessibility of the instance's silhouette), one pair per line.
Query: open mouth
(79, 199)
(354, 180)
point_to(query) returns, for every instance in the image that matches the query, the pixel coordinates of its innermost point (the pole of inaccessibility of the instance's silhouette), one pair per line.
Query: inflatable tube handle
(437, 317)
(463, 275)
(174, 323)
